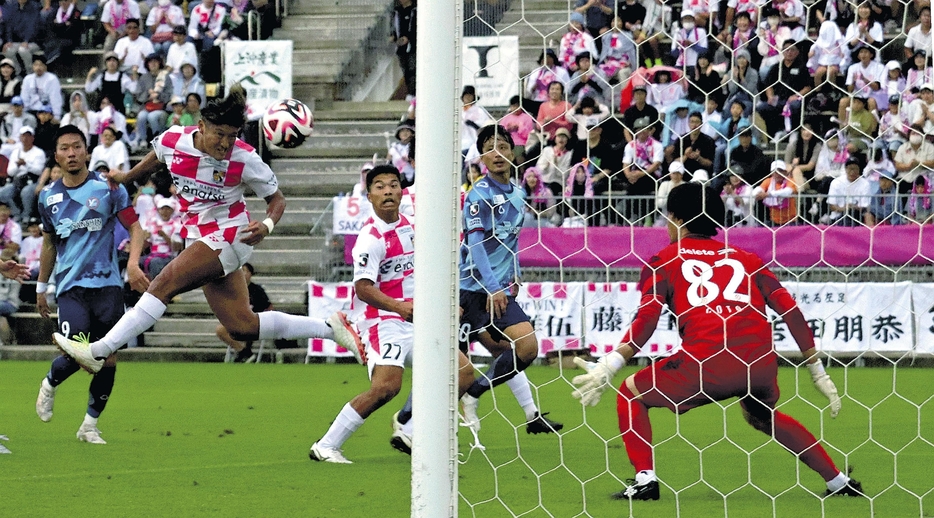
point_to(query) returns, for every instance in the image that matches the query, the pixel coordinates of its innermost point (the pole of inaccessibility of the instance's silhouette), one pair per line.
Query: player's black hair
(70, 129)
(228, 111)
(698, 206)
(491, 131)
(249, 268)
(381, 169)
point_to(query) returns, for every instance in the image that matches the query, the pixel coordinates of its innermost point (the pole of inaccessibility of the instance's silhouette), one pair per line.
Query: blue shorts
(93, 311)
(477, 317)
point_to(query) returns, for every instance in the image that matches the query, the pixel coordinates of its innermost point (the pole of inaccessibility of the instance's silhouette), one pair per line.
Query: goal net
(814, 122)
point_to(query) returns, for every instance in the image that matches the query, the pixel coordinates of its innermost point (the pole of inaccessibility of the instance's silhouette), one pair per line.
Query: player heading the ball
(211, 168)
(718, 294)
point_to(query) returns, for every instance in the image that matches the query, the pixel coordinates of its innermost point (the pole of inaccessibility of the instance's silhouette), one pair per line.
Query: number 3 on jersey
(703, 290)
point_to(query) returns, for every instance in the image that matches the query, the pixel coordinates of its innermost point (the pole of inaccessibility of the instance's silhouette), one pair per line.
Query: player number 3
(703, 291)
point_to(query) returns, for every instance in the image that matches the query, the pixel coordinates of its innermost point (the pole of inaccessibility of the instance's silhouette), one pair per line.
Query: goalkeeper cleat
(80, 351)
(90, 434)
(542, 424)
(470, 417)
(45, 401)
(647, 491)
(852, 488)
(322, 454)
(345, 335)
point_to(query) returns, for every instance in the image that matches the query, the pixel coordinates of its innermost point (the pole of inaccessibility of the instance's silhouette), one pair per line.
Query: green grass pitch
(232, 440)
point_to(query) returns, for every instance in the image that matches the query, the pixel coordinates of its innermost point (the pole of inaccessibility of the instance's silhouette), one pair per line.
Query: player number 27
(389, 350)
(703, 291)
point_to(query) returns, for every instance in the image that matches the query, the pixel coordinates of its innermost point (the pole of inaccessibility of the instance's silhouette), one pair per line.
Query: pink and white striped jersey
(385, 254)
(210, 192)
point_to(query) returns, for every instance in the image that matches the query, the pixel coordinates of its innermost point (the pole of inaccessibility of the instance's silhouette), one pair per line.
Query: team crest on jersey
(93, 203)
(218, 176)
(474, 209)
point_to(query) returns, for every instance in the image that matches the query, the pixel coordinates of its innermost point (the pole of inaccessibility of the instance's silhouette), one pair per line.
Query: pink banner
(795, 246)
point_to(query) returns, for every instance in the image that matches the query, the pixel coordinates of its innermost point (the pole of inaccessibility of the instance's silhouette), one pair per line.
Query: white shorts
(389, 343)
(233, 255)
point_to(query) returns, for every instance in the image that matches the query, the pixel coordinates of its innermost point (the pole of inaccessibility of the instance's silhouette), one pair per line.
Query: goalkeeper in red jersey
(719, 294)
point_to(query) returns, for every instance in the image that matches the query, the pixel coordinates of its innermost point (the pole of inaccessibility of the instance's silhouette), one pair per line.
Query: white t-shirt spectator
(120, 12)
(11, 232)
(116, 156)
(643, 154)
(39, 90)
(843, 192)
(178, 55)
(907, 154)
(918, 40)
(35, 162)
(133, 52)
(172, 14)
(213, 18)
(30, 250)
(859, 77)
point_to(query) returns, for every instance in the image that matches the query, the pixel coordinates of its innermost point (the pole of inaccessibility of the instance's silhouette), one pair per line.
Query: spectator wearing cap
(893, 127)
(597, 15)
(42, 87)
(520, 126)
(576, 41)
(111, 150)
(887, 204)
(674, 178)
(45, 130)
(864, 79)
(689, 42)
(642, 167)
(161, 21)
(10, 84)
(112, 82)
(849, 197)
(703, 11)
(913, 158)
(555, 161)
(919, 36)
(177, 105)
(473, 117)
(588, 81)
(742, 83)
(206, 24)
(12, 122)
(164, 230)
(25, 166)
(181, 50)
(538, 81)
(64, 31)
(114, 16)
(788, 82)
(863, 31)
(586, 114)
(639, 109)
(21, 29)
(778, 193)
(920, 111)
(187, 81)
(895, 83)
(133, 48)
(153, 93)
(801, 154)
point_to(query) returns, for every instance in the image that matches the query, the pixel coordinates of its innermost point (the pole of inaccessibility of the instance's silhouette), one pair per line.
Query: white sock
(519, 385)
(89, 422)
(275, 324)
(141, 317)
(836, 483)
(645, 476)
(344, 425)
(409, 427)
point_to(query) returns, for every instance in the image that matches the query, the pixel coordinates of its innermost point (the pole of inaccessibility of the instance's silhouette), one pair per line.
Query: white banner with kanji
(555, 311)
(264, 69)
(323, 300)
(851, 317)
(609, 309)
(922, 297)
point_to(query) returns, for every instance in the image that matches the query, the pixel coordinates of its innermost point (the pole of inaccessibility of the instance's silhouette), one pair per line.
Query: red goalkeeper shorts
(682, 382)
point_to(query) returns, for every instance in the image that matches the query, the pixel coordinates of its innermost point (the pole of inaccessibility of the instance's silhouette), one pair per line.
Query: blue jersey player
(489, 276)
(79, 213)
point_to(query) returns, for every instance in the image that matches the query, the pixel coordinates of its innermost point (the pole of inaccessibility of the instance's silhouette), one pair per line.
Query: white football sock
(645, 476)
(519, 385)
(409, 427)
(275, 324)
(141, 317)
(345, 424)
(89, 422)
(836, 483)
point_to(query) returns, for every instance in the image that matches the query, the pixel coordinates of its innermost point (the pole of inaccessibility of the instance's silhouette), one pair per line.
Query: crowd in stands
(819, 112)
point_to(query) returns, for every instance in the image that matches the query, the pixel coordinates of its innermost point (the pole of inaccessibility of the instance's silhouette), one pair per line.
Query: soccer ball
(288, 123)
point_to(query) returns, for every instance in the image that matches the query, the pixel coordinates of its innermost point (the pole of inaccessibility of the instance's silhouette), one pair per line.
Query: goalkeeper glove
(825, 385)
(590, 386)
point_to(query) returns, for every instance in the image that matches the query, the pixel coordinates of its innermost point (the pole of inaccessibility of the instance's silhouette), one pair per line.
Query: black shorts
(93, 311)
(477, 318)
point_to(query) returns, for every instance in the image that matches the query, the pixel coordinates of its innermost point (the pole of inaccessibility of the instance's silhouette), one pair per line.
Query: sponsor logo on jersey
(363, 260)
(692, 251)
(475, 222)
(54, 198)
(498, 199)
(93, 203)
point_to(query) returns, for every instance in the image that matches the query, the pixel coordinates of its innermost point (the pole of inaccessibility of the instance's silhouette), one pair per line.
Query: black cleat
(244, 356)
(400, 444)
(542, 424)
(852, 488)
(647, 491)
